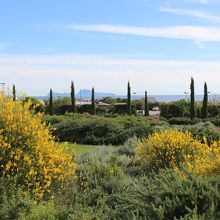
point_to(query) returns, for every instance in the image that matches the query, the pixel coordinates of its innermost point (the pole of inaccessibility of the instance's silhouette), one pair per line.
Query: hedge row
(86, 129)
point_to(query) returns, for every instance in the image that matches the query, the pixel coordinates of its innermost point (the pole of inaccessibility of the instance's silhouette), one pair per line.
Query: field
(79, 149)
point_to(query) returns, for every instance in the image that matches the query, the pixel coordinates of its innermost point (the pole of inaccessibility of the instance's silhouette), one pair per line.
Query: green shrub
(86, 129)
(12, 200)
(181, 121)
(204, 129)
(213, 110)
(169, 196)
(215, 121)
(129, 147)
(174, 109)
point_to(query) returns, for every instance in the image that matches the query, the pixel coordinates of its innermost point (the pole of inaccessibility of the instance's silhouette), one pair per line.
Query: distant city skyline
(156, 45)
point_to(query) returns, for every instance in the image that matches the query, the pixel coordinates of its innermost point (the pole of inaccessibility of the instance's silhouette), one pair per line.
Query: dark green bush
(181, 121)
(86, 129)
(213, 110)
(174, 109)
(215, 121)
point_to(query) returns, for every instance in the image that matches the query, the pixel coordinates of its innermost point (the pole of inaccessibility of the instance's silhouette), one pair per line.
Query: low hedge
(99, 130)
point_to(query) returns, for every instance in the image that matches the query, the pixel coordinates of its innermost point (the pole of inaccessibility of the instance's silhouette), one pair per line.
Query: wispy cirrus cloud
(194, 13)
(197, 34)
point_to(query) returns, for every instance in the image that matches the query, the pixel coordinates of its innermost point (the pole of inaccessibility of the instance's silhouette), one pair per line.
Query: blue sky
(156, 45)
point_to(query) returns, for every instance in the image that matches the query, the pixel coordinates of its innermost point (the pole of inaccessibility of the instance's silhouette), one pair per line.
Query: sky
(156, 45)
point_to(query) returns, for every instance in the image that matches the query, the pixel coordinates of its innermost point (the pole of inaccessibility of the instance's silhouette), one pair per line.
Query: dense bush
(174, 109)
(28, 151)
(182, 121)
(87, 129)
(215, 121)
(169, 196)
(203, 129)
(213, 110)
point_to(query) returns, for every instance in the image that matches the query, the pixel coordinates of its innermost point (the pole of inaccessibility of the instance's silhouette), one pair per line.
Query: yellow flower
(28, 150)
(176, 149)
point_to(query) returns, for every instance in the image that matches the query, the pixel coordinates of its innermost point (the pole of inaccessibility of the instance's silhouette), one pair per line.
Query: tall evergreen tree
(51, 103)
(73, 99)
(93, 102)
(14, 93)
(205, 102)
(129, 99)
(192, 100)
(146, 106)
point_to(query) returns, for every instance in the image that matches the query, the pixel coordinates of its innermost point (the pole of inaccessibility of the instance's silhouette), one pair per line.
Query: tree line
(128, 104)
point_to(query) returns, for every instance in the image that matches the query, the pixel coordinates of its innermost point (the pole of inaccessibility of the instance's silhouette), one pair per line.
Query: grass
(82, 148)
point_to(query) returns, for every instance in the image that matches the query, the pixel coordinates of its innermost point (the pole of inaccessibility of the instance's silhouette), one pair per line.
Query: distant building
(156, 108)
(140, 112)
(83, 102)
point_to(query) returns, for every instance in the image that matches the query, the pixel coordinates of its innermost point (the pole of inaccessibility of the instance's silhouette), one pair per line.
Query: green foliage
(183, 121)
(204, 129)
(174, 109)
(215, 121)
(73, 99)
(11, 201)
(51, 103)
(146, 106)
(14, 97)
(213, 110)
(192, 100)
(205, 103)
(169, 196)
(129, 99)
(129, 147)
(93, 111)
(86, 129)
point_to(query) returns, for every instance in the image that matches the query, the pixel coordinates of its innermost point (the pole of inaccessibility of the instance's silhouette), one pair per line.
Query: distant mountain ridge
(84, 94)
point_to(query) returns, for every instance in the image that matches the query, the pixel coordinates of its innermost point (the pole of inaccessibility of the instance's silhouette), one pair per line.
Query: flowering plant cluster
(176, 150)
(28, 151)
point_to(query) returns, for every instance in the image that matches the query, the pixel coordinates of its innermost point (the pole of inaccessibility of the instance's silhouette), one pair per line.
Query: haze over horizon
(156, 45)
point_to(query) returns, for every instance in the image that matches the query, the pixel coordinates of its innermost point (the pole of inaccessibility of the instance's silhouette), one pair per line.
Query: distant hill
(86, 94)
(83, 94)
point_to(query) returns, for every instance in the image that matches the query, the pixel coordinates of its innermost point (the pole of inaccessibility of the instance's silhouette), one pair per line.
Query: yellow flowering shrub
(176, 149)
(28, 150)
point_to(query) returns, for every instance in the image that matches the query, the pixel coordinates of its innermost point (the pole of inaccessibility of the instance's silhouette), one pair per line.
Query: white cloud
(194, 33)
(36, 74)
(194, 13)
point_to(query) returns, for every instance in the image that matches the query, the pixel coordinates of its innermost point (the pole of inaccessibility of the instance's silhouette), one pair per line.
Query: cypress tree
(146, 106)
(14, 93)
(129, 99)
(192, 100)
(51, 103)
(93, 102)
(205, 102)
(73, 99)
